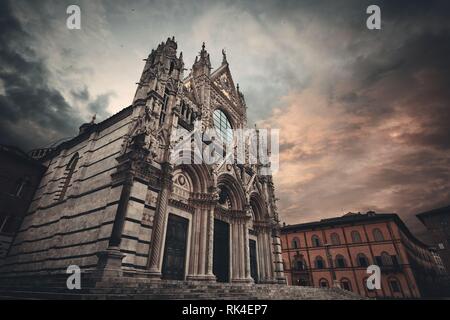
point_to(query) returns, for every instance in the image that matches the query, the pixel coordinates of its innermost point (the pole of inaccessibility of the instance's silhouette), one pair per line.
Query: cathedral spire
(202, 64)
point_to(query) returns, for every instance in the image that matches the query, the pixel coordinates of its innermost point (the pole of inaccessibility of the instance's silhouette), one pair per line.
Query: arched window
(172, 66)
(356, 237)
(299, 264)
(323, 283)
(386, 259)
(223, 126)
(295, 243)
(340, 261)
(319, 262)
(70, 168)
(378, 235)
(162, 116)
(346, 284)
(335, 240)
(395, 286)
(315, 241)
(361, 260)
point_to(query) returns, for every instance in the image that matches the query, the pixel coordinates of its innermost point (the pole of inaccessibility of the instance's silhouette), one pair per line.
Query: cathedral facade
(117, 201)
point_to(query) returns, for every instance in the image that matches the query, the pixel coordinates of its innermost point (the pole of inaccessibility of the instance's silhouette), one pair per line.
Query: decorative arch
(346, 284)
(228, 114)
(315, 240)
(377, 235)
(362, 260)
(160, 147)
(182, 185)
(319, 263)
(299, 263)
(230, 187)
(323, 283)
(295, 243)
(335, 239)
(258, 206)
(198, 174)
(356, 237)
(340, 261)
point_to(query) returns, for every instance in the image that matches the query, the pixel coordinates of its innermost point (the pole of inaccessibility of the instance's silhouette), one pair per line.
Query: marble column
(247, 253)
(160, 223)
(279, 272)
(201, 253)
(261, 259)
(210, 245)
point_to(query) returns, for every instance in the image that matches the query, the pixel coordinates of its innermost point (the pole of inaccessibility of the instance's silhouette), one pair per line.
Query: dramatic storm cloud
(364, 115)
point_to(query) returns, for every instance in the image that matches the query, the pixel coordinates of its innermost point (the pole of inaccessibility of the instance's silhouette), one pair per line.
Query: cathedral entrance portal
(221, 254)
(253, 261)
(175, 248)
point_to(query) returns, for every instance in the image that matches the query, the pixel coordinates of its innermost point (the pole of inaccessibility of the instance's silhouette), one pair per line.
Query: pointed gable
(222, 82)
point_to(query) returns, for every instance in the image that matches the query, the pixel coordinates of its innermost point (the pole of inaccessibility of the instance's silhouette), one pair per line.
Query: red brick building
(337, 252)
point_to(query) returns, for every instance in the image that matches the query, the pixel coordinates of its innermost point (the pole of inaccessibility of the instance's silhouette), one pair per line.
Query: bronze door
(253, 261)
(221, 255)
(175, 248)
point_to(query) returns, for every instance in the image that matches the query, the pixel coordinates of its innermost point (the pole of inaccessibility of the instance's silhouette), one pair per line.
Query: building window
(162, 116)
(335, 240)
(222, 126)
(323, 283)
(395, 285)
(319, 262)
(346, 284)
(315, 241)
(299, 264)
(356, 237)
(340, 261)
(386, 259)
(362, 260)
(295, 243)
(394, 260)
(378, 235)
(70, 168)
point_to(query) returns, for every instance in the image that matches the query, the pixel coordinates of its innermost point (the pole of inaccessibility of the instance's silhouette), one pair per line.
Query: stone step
(142, 288)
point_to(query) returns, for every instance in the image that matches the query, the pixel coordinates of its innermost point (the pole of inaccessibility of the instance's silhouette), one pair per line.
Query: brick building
(19, 178)
(337, 252)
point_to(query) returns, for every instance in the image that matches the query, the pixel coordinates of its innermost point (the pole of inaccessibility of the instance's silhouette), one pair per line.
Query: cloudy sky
(364, 115)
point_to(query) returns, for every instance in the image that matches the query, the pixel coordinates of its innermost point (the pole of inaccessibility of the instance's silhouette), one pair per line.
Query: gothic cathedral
(115, 203)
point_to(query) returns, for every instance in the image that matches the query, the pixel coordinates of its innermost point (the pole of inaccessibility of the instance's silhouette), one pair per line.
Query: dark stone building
(117, 200)
(19, 178)
(437, 222)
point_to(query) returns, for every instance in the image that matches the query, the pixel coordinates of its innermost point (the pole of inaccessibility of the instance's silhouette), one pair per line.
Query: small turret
(202, 64)
(85, 126)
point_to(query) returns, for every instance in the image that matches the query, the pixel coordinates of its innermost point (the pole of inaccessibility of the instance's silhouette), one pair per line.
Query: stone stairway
(145, 289)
